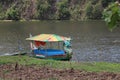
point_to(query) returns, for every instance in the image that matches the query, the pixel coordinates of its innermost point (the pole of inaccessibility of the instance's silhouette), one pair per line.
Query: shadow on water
(92, 41)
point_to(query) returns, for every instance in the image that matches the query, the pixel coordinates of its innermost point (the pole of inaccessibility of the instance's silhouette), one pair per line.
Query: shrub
(106, 2)
(94, 1)
(76, 13)
(12, 14)
(63, 10)
(42, 8)
(2, 16)
(89, 11)
(97, 12)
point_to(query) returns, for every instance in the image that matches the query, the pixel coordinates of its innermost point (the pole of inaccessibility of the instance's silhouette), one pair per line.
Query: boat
(50, 46)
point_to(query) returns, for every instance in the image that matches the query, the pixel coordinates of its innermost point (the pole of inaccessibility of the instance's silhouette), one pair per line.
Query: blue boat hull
(51, 54)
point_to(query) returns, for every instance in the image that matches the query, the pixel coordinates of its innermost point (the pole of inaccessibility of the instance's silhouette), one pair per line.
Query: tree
(111, 15)
(43, 7)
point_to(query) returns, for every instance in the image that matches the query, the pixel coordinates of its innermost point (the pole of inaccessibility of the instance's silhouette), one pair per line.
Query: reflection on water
(92, 41)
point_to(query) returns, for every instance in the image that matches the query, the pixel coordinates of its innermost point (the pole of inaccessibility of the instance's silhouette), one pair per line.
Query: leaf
(111, 15)
(113, 23)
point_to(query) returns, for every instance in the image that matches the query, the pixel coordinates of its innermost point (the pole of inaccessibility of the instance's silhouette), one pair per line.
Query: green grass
(86, 66)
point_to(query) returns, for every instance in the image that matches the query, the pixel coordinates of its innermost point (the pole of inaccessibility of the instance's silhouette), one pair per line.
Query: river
(91, 40)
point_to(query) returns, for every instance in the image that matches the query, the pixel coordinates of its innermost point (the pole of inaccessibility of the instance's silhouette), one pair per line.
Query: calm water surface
(92, 41)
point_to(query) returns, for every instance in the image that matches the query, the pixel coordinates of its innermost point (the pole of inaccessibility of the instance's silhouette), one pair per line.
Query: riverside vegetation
(52, 9)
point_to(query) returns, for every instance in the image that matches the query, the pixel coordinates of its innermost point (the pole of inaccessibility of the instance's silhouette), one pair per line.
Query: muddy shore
(20, 72)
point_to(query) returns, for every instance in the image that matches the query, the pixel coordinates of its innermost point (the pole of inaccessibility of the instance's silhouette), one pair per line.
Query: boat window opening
(53, 45)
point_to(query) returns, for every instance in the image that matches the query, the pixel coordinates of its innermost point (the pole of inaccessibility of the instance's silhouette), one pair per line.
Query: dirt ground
(20, 72)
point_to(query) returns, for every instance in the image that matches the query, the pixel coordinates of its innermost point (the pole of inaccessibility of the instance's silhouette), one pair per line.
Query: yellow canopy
(48, 38)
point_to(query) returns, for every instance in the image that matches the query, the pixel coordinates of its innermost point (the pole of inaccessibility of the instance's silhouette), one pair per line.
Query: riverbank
(86, 66)
(20, 20)
(28, 68)
(53, 10)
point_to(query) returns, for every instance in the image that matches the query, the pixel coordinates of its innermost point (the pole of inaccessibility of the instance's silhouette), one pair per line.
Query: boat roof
(48, 38)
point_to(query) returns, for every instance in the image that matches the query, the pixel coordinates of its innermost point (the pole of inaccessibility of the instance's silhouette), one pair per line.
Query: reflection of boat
(51, 46)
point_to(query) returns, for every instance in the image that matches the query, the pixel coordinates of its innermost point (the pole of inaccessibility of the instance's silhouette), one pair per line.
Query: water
(92, 41)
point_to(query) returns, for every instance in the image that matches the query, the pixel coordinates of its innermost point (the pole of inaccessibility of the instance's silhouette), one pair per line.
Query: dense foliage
(112, 15)
(52, 9)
